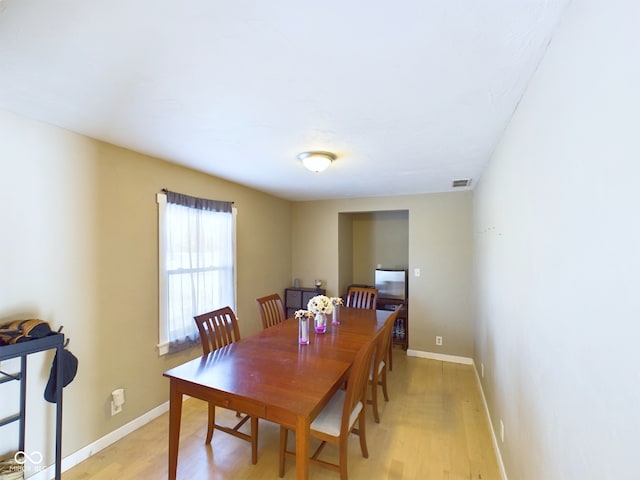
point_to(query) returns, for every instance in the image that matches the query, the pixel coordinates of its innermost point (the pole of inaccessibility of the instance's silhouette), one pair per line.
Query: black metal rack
(400, 332)
(22, 350)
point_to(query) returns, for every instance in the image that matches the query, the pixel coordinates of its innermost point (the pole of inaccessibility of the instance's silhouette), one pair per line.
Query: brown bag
(10, 469)
(18, 331)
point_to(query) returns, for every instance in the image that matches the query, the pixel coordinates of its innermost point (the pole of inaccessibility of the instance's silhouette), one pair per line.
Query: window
(196, 264)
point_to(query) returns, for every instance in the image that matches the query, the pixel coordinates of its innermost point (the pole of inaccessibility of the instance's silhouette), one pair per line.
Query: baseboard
(440, 356)
(496, 447)
(102, 443)
(468, 361)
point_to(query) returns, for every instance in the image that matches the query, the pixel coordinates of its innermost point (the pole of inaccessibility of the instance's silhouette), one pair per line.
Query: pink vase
(303, 331)
(335, 319)
(320, 322)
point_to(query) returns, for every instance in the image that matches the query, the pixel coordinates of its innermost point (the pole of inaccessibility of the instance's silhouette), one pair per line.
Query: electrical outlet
(115, 409)
(438, 340)
(416, 272)
(501, 431)
(117, 401)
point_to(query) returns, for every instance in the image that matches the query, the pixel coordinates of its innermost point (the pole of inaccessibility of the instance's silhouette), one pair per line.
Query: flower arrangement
(303, 314)
(303, 325)
(320, 304)
(336, 301)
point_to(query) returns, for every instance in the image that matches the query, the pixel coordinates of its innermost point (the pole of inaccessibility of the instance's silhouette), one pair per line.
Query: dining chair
(218, 329)
(362, 297)
(344, 414)
(380, 364)
(271, 310)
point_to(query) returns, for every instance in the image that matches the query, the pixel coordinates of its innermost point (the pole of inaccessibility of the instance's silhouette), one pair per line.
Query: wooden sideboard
(297, 298)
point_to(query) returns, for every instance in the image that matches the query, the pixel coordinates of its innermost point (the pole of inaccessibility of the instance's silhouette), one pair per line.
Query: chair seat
(328, 421)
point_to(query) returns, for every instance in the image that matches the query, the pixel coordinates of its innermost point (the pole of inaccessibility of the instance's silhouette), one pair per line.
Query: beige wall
(379, 238)
(345, 253)
(557, 247)
(368, 239)
(79, 249)
(439, 243)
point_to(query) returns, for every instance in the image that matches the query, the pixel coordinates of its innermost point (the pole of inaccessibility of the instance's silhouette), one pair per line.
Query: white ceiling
(410, 94)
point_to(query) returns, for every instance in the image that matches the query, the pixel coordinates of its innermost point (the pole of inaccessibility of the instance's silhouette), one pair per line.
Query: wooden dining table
(271, 376)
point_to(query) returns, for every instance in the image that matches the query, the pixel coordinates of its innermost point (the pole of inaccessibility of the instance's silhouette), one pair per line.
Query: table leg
(175, 414)
(302, 448)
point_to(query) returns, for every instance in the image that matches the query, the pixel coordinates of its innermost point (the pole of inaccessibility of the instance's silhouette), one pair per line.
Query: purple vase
(320, 322)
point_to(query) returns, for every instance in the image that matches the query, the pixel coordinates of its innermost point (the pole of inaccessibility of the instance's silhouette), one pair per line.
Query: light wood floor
(434, 427)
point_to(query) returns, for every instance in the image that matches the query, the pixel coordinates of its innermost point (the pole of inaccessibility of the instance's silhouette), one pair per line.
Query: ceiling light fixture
(317, 161)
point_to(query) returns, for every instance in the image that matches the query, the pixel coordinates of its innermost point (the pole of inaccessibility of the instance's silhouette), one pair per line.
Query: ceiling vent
(463, 182)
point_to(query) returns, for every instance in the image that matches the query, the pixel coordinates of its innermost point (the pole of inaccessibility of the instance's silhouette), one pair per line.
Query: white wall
(557, 250)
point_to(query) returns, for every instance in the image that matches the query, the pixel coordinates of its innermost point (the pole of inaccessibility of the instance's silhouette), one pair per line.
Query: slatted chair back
(380, 366)
(271, 310)
(362, 297)
(357, 385)
(217, 329)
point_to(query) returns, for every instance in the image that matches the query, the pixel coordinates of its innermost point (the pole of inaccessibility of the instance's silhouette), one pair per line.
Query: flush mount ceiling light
(316, 161)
